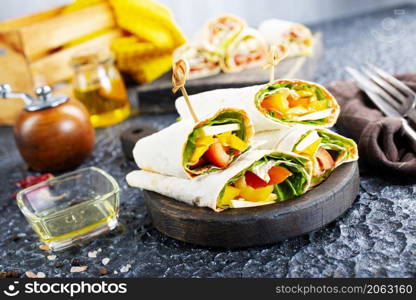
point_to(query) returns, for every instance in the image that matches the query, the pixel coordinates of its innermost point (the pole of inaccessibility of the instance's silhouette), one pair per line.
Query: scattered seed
(125, 269)
(79, 269)
(51, 257)
(30, 274)
(44, 247)
(15, 238)
(103, 271)
(105, 261)
(92, 254)
(41, 275)
(76, 262)
(58, 264)
(99, 250)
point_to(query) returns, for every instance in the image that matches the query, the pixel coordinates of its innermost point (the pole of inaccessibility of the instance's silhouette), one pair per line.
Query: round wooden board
(245, 227)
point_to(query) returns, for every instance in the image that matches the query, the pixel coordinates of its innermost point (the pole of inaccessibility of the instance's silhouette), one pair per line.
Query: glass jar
(99, 86)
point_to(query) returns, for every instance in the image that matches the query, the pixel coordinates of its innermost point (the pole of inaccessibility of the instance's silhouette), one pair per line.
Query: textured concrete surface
(376, 237)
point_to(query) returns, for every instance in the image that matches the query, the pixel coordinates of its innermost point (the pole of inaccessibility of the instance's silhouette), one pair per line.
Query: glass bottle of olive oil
(100, 87)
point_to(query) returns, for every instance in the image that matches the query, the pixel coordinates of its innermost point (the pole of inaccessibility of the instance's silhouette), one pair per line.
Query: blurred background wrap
(151, 35)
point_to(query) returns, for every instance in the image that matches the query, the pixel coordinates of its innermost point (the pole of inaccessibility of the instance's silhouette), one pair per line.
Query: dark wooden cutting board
(157, 97)
(246, 227)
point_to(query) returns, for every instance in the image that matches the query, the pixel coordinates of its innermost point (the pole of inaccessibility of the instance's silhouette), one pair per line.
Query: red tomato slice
(278, 175)
(217, 155)
(254, 181)
(325, 159)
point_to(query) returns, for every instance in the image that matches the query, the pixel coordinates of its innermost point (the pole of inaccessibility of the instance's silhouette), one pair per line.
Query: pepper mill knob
(43, 92)
(4, 90)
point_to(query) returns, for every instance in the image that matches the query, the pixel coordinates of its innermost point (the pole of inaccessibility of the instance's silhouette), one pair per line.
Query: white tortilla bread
(162, 152)
(244, 98)
(202, 191)
(285, 140)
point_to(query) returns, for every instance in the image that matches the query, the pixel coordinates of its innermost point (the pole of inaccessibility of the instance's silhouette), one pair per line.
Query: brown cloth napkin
(381, 140)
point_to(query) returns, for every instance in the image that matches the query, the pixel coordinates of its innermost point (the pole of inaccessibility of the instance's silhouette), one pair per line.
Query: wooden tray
(246, 227)
(157, 97)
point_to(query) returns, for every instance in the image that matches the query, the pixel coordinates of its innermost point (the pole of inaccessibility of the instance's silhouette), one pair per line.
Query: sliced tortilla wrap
(209, 102)
(179, 149)
(325, 148)
(297, 37)
(247, 51)
(218, 33)
(227, 188)
(321, 107)
(202, 62)
(294, 101)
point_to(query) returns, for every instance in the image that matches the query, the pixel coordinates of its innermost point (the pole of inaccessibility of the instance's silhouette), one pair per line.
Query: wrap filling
(276, 177)
(295, 102)
(326, 151)
(215, 144)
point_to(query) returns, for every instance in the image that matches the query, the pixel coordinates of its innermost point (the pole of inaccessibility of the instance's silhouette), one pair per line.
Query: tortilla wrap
(297, 37)
(217, 34)
(250, 47)
(204, 191)
(289, 140)
(162, 152)
(202, 62)
(248, 99)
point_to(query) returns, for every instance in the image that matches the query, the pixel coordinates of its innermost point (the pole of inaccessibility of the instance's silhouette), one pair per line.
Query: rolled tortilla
(218, 33)
(209, 190)
(297, 37)
(250, 99)
(202, 62)
(247, 51)
(170, 150)
(294, 101)
(307, 140)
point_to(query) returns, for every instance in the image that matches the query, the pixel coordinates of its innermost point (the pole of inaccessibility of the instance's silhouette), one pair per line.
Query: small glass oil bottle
(99, 86)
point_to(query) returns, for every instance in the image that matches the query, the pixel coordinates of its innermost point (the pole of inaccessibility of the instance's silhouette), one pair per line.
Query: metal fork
(390, 95)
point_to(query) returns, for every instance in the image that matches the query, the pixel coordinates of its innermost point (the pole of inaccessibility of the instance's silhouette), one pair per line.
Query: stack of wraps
(218, 164)
(225, 43)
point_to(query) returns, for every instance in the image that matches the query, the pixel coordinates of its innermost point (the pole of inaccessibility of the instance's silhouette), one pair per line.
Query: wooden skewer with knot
(274, 56)
(179, 72)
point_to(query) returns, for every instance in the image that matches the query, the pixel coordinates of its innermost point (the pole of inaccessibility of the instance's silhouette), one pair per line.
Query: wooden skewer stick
(274, 56)
(179, 73)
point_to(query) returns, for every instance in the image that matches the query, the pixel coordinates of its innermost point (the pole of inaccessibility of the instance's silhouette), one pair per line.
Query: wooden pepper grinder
(53, 133)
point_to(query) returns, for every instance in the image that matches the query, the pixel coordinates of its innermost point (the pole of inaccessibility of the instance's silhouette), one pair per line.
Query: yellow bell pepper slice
(229, 194)
(312, 148)
(199, 151)
(205, 141)
(318, 105)
(225, 137)
(256, 195)
(237, 143)
(233, 141)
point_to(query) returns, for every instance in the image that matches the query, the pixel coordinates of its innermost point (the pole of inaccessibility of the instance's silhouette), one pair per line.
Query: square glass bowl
(71, 208)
